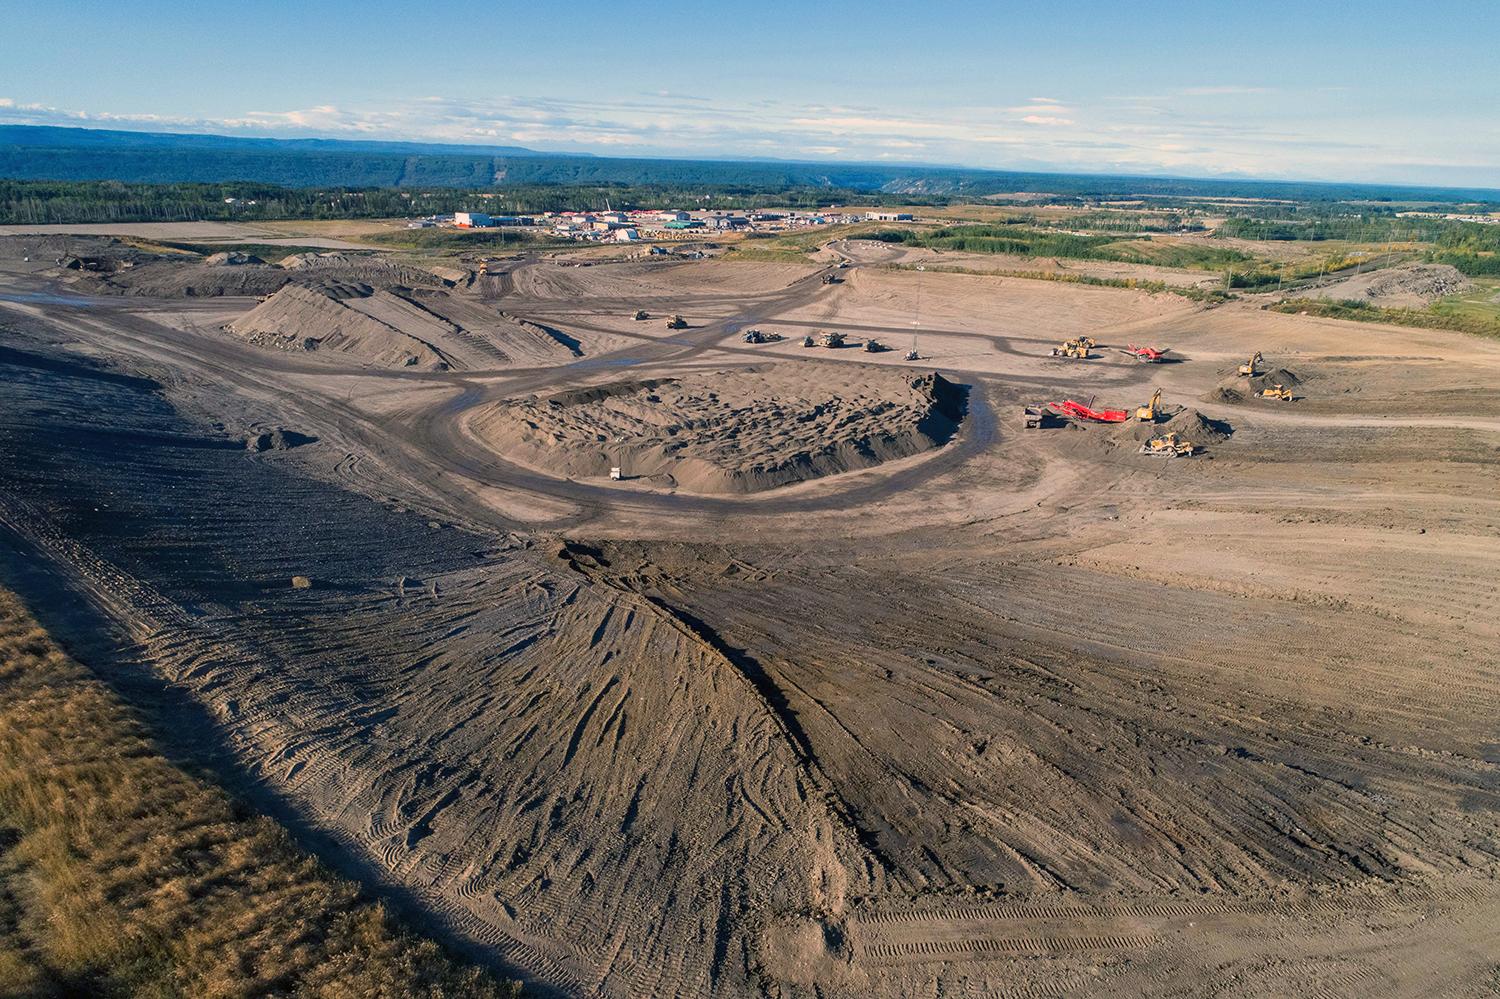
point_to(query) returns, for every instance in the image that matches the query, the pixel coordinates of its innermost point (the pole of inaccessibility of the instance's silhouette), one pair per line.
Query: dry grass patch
(122, 875)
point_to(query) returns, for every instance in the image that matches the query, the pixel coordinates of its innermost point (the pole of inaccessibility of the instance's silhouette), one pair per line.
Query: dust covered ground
(738, 430)
(997, 712)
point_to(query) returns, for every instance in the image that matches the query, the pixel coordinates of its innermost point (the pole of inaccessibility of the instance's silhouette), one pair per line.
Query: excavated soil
(355, 320)
(1029, 716)
(731, 431)
(223, 274)
(1189, 424)
(1411, 287)
(422, 328)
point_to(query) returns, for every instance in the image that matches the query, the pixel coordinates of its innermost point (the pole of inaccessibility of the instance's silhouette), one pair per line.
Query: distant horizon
(506, 149)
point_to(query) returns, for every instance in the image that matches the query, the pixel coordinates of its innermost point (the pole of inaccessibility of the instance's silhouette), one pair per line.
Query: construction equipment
(1078, 349)
(641, 314)
(1079, 411)
(808, 341)
(1037, 417)
(1148, 412)
(1278, 391)
(832, 339)
(912, 355)
(830, 279)
(753, 336)
(677, 323)
(873, 346)
(1251, 369)
(1169, 445)
(1147, 355)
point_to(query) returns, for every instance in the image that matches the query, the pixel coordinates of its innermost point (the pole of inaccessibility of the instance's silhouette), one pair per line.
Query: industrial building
(472, 220)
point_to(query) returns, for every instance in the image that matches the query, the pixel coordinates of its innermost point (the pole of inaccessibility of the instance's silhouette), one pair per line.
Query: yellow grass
(122, 875)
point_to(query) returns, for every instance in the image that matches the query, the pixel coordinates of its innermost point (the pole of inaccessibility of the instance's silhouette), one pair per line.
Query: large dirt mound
(1409, 287)
(351, 319)
(1274, 377)
(231, 259)
(1237, 388)
(1189, 424)
(730, 431)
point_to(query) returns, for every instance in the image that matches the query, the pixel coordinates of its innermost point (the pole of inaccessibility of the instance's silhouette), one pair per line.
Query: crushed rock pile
(1412, 286)
(1237, 388)
(338, 317)
(1276, 376)
(1187, 423)
(739, 431)
(231, 259)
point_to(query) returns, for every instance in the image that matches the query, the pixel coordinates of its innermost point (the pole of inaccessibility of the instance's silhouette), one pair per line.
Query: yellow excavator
(1251, 369)
(1278, 391)
(1169, 445)
(1148, 412)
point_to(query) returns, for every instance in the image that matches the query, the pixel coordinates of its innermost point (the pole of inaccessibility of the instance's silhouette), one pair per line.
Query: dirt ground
(1017, 713)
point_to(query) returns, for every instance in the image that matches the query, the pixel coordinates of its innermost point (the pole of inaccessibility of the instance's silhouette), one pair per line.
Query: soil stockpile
(1238, 388)
(231, 259)
(1400, 287)
(728, 431)
(222, 274)
(1188, 424)
(355, 320)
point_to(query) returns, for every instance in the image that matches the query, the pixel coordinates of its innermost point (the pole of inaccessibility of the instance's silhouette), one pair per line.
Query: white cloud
(1135, 134)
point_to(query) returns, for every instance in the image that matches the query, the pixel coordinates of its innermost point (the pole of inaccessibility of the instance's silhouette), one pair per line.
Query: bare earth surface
(956, 709)
(730, 431)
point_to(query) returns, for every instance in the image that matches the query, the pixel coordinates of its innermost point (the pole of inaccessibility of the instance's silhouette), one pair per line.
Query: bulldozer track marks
(1046, 910)
(997, 947)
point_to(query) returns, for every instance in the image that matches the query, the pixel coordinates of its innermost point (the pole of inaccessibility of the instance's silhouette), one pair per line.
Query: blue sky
(1373, 90)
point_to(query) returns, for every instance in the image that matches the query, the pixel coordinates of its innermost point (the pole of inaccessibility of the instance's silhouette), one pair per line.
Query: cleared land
(1007, 713)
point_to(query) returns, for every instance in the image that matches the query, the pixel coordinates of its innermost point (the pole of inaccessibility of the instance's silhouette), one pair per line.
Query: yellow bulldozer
(1169, 445)
(1252, 368)
(1149, 412)
(1278, 391)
